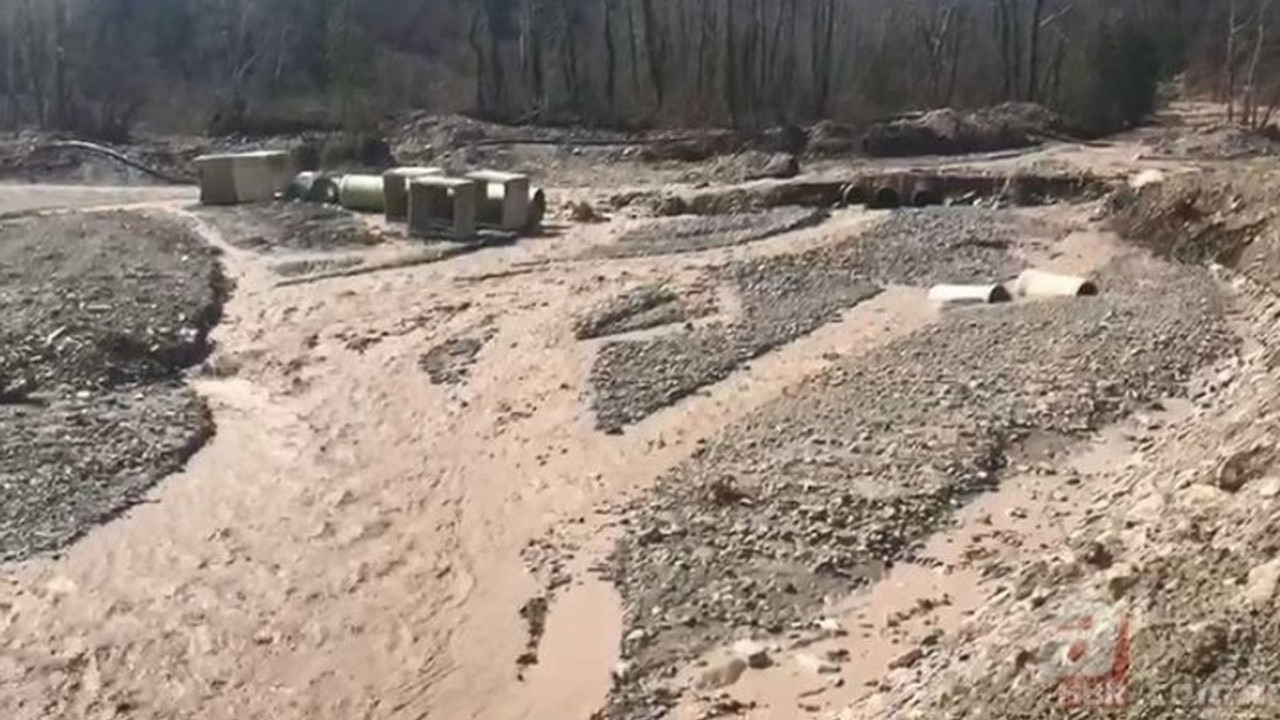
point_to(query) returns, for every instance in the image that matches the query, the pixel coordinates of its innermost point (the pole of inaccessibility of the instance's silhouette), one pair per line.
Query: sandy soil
(351, 543)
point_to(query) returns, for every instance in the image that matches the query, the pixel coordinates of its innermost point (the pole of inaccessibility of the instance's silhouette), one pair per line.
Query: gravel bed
(695, 233)
(449, 363)
(103, 311)
(95, 300)
(277, 226)
(939, 245)
(76, 462)
(642, 308)
(789, 296)
(808, 495)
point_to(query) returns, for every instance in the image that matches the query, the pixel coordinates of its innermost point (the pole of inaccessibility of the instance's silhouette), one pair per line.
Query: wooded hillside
(99, 67)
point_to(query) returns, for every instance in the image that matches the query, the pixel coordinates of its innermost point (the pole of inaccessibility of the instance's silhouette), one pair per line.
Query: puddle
(577, 653)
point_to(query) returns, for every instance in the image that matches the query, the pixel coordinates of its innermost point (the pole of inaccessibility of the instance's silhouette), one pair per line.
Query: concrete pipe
(885, 198)
(537, 208)
(363, 193)
(925, 194)
(969, 294)
(1041, 284)
(854, 195)
(300, 187)
(323, 189)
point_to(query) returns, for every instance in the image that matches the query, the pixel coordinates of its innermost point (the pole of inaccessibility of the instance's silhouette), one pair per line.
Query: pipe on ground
(969, 294)
(363, 193)
(1041, 284)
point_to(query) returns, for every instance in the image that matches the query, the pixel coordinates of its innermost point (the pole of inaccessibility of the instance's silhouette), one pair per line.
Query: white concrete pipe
(362, 192)
(969, 294)
(1041, 284)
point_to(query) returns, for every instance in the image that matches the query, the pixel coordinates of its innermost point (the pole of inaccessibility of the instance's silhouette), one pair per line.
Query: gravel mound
(449, 363)
(97, 300)
(939, 245)
(79, 461)
(290, 226)
(694, 233)
(783, 298)
(102, 313)
(789, 296)
(809, 495)
(642, 308)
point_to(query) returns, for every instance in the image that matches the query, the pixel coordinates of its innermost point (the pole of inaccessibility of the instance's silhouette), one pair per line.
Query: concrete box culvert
(1042, 284)
(969, 294)
(395, 189)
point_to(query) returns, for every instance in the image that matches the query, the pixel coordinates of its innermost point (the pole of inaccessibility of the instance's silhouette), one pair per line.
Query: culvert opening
(886, 198)
(855, 195)
(926, 197)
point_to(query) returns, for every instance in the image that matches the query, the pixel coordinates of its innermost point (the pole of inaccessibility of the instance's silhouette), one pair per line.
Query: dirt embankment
(102, 312)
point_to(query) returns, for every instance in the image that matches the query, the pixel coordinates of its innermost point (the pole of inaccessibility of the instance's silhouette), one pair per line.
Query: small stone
(722, 674)
(1119, 580)
(755, 653)
(1261, 585)
(1269, 487)
(907, 659)
(815, 664)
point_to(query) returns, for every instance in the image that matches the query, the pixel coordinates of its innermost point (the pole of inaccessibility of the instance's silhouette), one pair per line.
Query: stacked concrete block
(443, 206)
(243, 177)
(504, 197)
(395, 189)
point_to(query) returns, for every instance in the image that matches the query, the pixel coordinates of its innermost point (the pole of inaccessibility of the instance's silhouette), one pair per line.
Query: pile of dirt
(952, 132)
(290, 226)
(1222, 216)
(102, 312)
(809, 496)
(1217, 142)
(695, 233)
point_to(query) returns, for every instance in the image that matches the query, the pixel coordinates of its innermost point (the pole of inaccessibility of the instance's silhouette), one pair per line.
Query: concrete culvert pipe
(854, 195)
(885, 198)
(1041, 284)
(969, 294)
(363, 193)
(925, 195)
(323, 190)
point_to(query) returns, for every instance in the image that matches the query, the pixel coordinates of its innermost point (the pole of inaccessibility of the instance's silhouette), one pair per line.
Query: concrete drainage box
(395, 189)
(443, 207)
(243, 177)
(504, 199)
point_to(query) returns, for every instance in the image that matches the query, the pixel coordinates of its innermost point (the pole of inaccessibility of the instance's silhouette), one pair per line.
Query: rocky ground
(694, 233)
(643, 308)
(801, 500)
(410, 509)
(285, 226)
(785, 297)
(101, 314)
(1177, 567)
